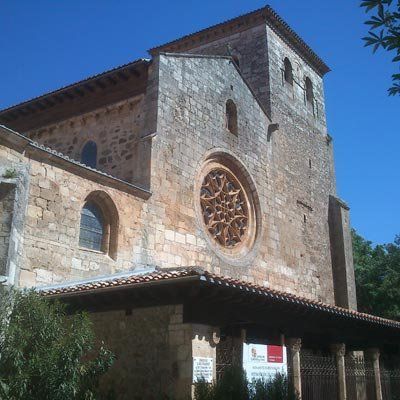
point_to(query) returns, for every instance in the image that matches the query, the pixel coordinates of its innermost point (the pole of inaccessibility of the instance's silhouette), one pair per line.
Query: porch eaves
(197, 274)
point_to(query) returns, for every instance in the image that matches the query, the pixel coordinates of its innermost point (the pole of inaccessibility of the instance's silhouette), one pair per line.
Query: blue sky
(48, 44)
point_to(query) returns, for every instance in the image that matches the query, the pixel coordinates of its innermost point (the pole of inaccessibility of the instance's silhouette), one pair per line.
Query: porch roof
(226, 302)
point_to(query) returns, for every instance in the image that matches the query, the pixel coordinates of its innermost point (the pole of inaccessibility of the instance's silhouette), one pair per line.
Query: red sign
(275, 354)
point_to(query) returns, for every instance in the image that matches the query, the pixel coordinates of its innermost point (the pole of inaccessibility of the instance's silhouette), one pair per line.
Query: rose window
(224, 208)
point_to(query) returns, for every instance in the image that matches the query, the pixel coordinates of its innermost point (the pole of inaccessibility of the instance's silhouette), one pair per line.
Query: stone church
(188, 201)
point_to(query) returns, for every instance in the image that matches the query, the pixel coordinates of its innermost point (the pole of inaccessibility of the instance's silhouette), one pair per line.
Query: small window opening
(310, 163)
(305, 218)
(231, 117)
(288, 71)
(309, 91)
(89, 154)
(92, 227)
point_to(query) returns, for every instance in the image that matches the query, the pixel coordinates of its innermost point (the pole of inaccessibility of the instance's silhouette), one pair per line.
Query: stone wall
(291, 250)
(116, 129)
(184, 124)
(342, 254)
(7, 195)
(294, 250)
(249, 50)
(290, 100)
(302, 146)
(14, 184)
(305, 151)
(46, 212)
(52, 252)
(153, 352)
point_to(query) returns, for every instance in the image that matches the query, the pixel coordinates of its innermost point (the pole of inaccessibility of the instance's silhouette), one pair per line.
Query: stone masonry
(210, 113)
(167, 133)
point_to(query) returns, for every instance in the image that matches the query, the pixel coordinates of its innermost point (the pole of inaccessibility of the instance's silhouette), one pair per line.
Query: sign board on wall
(203, 368)
(263, 361)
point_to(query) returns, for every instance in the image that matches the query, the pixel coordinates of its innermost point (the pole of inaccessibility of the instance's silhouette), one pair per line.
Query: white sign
(263, 361)
(203, 368)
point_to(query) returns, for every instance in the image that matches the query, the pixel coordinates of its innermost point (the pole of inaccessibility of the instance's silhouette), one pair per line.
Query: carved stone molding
(294, 344)
(373, 354)
(228, 208)
(224, 207)
(339, 349)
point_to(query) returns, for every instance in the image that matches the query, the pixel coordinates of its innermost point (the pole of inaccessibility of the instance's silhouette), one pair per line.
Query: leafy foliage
(46, 354)
(10, 173)
(384, 31)
(377, 270)
(275, 389)
(234, 386)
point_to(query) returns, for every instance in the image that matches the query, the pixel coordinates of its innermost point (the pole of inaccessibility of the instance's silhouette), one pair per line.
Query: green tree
(233, 385)
(46, 354)
(384, 32)
(377, 271)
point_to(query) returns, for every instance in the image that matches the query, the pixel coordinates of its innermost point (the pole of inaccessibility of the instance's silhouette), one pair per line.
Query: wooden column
(374, 355)
(339, 350)
(294, 344)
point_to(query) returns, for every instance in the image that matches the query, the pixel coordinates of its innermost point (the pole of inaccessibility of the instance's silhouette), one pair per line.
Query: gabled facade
(214, 154)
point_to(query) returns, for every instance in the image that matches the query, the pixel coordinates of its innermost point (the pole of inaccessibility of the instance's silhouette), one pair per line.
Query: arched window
(288, 71)
(99, 224)
(89, 154)
(92, 227)
(231, 117)
(309, 90)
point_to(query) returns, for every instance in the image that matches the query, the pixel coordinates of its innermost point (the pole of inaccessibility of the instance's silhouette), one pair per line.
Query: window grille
(91, 228)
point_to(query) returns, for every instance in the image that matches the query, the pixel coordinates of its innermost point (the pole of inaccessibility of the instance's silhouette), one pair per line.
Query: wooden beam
(69, 95)
(14, 115)
(31, 108)
(112, 80)
(58, 98)
(5, 118)
(134, 72)
(79, 92)
(100, 84)
(90, 88)
(40, 105)
(22, 111)
(49, 102)
(123, 76)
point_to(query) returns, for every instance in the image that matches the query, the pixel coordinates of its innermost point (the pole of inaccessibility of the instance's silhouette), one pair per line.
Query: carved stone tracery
(224, 208)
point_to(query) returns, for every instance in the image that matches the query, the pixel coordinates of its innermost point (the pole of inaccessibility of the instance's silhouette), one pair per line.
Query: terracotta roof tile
(76, 84)
(29, 143)
(210, 278)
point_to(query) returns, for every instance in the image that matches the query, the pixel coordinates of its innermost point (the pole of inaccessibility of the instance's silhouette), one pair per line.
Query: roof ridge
(275, 21)
(71, 85)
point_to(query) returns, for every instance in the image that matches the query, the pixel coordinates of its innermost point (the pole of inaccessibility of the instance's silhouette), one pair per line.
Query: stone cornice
(83, 96)
(244, 22)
